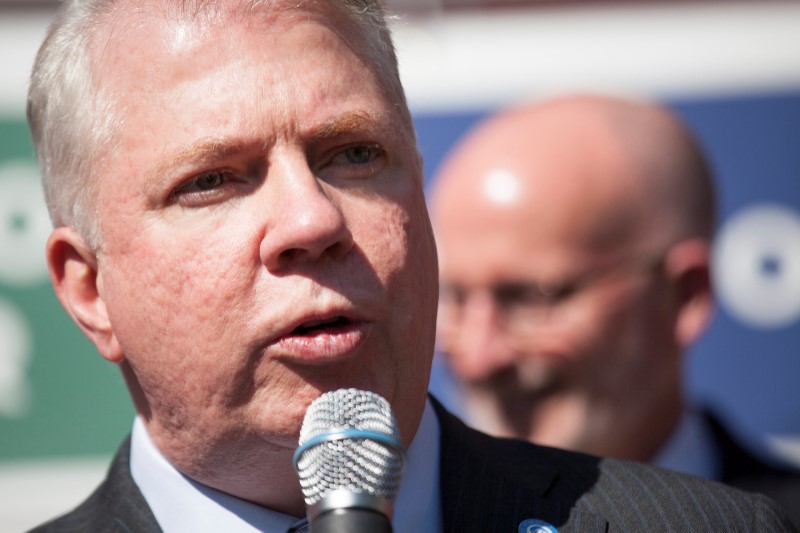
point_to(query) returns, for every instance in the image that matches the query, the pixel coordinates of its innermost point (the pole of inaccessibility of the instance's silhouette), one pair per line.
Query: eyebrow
(211, 149)
(203, 151)
(207, 151)
(346, 124)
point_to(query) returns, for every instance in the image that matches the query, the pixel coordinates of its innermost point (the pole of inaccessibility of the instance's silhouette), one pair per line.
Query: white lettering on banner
(756, 266)
(24, 225)
(15, 356)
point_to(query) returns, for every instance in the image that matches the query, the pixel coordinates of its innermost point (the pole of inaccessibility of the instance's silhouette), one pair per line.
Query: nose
(307, 223)
(479, 347)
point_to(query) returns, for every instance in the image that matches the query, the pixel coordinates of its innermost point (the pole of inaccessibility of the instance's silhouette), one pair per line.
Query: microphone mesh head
(354, 464)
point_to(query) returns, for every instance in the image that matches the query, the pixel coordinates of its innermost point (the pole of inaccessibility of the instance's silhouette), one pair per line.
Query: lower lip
(324, 345)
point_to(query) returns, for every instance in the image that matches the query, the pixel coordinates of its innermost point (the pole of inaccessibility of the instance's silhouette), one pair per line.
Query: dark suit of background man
(574, 240)
(239, 226)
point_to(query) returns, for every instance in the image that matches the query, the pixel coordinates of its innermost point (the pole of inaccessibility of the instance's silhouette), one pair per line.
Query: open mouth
(324, 339)
(315, 326)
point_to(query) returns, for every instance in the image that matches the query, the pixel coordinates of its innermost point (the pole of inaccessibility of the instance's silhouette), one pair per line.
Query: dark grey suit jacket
(744, 470)
(492, 485)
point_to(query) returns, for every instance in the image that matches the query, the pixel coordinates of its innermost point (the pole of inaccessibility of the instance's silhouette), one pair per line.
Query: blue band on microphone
(348, 433)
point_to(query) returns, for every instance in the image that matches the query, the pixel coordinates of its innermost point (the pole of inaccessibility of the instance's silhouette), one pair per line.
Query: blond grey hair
(72, 123)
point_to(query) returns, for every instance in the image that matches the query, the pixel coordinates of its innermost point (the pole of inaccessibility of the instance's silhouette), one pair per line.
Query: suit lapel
(493, 485)
(119, 501)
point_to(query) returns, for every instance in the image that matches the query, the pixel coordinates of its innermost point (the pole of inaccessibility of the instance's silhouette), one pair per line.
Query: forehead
(549, 228)
(208, 13)
(243, 82)
(231, 62)
(166, 29)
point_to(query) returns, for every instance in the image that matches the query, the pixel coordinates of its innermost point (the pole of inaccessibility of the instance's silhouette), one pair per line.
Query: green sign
(58, 397)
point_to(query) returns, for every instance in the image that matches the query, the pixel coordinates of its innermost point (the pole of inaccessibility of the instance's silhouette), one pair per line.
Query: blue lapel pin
(532, 525)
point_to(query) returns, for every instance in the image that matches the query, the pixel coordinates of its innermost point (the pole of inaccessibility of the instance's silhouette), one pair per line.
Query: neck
(247, 468)
(273, 484)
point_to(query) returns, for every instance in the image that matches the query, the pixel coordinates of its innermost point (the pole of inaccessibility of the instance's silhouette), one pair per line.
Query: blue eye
(209, 181)
(359, 155)
(203, 188)
(354, 162)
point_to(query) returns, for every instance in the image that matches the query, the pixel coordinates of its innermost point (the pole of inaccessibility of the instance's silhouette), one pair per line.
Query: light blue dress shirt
(181, 504)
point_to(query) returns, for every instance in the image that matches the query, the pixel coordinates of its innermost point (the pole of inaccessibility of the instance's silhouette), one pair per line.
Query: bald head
(636, 163)
(573, 242)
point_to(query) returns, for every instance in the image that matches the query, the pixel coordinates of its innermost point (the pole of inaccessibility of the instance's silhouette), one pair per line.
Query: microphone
(350, 462)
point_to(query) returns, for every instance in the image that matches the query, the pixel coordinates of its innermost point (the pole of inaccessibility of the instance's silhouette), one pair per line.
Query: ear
(687, 266)
(74, 275)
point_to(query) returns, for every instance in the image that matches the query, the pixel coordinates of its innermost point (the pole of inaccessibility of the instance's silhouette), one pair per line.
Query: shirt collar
(418, 506)
(182, 504)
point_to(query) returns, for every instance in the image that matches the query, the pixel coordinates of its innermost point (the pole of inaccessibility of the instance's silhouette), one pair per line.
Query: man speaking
(240, 227)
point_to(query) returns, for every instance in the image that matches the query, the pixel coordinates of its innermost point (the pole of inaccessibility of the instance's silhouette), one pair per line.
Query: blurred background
(730, 68)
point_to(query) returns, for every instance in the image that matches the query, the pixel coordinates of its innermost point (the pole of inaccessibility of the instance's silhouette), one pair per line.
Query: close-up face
(264, 235)
(530, 313)
(545, 289)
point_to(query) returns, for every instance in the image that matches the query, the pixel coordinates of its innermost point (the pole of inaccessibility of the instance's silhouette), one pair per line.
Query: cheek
(588, 331)
(385, 242)
(615, 333)
(166, 297)
(418, 300)
(395, 236)
(413, 246)
(399, 246)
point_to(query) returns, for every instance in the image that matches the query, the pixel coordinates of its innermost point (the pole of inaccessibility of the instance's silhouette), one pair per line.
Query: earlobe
(688, 268)
(74, 275)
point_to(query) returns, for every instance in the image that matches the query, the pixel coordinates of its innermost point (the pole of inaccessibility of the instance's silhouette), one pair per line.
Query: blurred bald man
(574, 239)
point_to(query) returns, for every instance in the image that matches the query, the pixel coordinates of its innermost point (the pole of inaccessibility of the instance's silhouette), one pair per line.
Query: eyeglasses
(520, 304)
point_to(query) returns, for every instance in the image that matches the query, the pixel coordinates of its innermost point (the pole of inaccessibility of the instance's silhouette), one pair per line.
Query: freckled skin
(196, 294)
